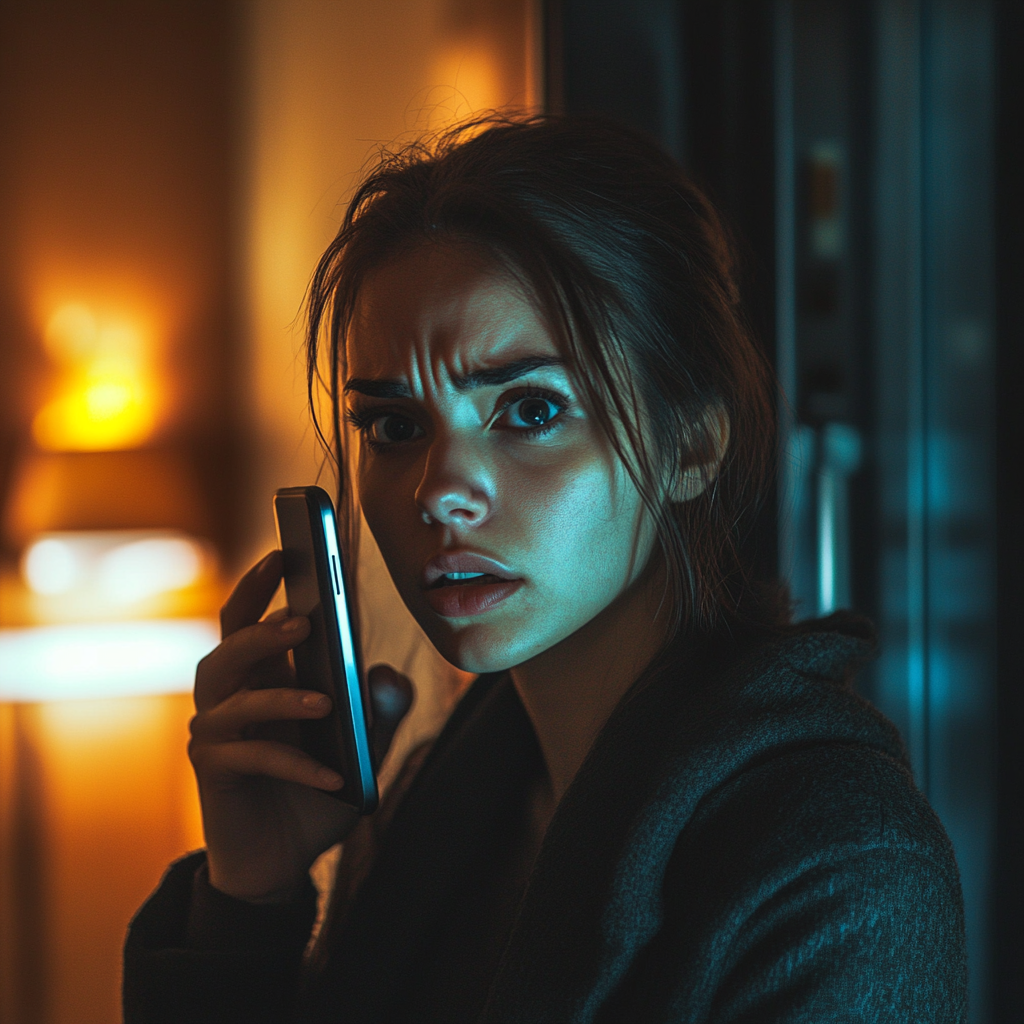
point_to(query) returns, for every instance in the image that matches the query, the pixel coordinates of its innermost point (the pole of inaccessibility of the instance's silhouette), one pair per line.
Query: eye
(385, 428)
(394, 427)
(532, 412)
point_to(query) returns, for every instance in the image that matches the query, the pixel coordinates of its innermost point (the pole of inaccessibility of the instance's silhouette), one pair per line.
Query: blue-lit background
(853, 146)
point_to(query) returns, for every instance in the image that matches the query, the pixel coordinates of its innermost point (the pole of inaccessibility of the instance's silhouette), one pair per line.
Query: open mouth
(461, 579)
(465, 583)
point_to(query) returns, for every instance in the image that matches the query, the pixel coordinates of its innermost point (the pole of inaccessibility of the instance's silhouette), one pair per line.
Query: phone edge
(322, 521)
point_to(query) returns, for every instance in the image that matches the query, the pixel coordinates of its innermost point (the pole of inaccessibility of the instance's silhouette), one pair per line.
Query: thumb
(391, 696)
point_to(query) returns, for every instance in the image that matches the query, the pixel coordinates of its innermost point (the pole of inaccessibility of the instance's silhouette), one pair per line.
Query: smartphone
(327, 660)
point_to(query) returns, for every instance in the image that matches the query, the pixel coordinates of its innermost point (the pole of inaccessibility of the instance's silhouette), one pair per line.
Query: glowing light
(107, 398)
(103, 660)
(112, 569)
(72, 333)
(101, 412)
(51, 566)
(141, 569)
(105, 401)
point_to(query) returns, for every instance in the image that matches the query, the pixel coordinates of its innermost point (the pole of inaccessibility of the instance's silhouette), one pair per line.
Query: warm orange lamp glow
(106, 401)
(104, 413)
(468, 84)
(71, 333)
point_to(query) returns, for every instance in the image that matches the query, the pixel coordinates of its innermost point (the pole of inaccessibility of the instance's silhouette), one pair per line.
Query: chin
(473, 649)
(480, 648)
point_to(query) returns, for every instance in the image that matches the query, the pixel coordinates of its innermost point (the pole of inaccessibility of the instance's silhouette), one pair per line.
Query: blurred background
(169, 174)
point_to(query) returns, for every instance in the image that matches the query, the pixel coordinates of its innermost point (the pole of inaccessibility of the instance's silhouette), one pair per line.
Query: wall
(188, 161)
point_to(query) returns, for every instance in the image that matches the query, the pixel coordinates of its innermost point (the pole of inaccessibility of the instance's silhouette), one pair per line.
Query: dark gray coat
(744, 843)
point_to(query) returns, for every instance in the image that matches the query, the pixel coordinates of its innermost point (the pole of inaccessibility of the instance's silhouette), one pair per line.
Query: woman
(659, 800)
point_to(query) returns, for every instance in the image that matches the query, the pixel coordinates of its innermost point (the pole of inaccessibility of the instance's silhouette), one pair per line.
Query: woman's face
(505, 518)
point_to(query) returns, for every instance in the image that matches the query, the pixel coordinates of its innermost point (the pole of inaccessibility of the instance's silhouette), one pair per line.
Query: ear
(695, 479)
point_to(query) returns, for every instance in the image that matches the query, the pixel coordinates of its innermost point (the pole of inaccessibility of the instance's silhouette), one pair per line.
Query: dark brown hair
(634, 272)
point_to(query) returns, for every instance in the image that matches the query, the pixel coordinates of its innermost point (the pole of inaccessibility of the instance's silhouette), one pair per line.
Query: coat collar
(697, 717)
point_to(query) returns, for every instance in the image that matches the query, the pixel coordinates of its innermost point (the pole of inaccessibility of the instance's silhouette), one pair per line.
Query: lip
(467, 599)
(462, 561)
(470, 598)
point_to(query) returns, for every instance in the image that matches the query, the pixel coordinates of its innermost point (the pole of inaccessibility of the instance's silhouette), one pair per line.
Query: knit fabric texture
(744, 843)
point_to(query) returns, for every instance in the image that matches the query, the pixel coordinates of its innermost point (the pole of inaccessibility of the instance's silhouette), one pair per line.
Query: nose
(455, 489)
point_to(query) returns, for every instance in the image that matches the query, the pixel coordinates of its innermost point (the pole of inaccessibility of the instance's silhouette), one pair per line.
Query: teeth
(463, 575)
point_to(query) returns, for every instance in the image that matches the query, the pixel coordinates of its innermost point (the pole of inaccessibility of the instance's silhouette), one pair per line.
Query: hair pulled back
(631, 267)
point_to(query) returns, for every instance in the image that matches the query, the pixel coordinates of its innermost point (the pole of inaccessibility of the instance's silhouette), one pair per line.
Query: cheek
(581, 518)
(568, 520)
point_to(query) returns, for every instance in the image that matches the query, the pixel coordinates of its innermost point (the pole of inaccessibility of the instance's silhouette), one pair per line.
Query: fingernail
(292, 625)
(265, 561)
(315, 700)
(329, 778)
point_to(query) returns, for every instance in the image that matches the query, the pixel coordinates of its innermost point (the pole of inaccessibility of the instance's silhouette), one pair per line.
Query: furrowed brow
(492, 377)
(378, 388)
(497, 375)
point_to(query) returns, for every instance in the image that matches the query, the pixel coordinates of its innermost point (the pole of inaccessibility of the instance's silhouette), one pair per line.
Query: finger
(230, 665)
(252, 594)
(222, 761)
(228, 719)
(391, 696)
(272, 672)
(275, 670)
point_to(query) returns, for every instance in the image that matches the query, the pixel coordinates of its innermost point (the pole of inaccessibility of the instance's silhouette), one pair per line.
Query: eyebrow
(491, 377)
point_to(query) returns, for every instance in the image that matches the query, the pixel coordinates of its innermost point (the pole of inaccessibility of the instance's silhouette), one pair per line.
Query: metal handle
(839, 447)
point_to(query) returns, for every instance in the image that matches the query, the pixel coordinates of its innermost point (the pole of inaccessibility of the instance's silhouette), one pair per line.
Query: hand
(266, 810)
